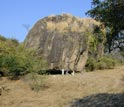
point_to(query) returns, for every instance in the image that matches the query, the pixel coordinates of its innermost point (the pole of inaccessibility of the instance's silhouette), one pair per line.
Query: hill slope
(102, 88)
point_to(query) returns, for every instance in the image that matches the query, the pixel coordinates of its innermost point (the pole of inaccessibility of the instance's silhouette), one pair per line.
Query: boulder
(62, 40)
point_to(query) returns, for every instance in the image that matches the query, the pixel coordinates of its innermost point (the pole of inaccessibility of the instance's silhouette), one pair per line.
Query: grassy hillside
(92, 89)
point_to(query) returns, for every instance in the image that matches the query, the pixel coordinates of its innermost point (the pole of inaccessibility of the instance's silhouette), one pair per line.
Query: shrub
(105, 63)
(100, 64)
(16, 61)
(10, 66)
(35, 81)
(90, 64)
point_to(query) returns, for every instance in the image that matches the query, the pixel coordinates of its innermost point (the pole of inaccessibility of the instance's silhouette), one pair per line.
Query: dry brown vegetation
(62, 90)
(51, 26)
(77, 25)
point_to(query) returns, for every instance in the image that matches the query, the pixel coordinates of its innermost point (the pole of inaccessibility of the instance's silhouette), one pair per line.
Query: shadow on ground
(100, 100)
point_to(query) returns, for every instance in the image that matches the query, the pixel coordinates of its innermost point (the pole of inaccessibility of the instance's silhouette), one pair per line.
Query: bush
(15, 60)
(90, 64)
(105, 63)
(35, 81)
(100, 64)
(10, 66)
(17, 65)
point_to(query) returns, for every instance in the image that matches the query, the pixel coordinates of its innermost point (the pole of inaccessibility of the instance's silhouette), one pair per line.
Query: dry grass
(62, 89)
(61, 26)
(77, 25)
(51, 26)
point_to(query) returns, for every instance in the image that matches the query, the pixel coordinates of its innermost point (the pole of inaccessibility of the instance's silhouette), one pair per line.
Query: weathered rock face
(62, 40)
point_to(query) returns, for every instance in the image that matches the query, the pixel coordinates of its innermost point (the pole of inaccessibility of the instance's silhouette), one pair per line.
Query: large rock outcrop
(62, 40)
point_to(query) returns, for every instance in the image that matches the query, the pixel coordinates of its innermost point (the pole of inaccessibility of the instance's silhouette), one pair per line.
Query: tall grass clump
(36, 82)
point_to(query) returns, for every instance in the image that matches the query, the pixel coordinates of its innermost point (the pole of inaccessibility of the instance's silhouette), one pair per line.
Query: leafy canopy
(111, 14)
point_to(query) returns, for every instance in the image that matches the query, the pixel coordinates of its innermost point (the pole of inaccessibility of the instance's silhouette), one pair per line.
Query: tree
(100, 36)
(111, 14)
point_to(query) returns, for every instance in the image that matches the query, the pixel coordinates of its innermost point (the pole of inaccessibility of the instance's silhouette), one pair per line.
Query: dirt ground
(61, 91)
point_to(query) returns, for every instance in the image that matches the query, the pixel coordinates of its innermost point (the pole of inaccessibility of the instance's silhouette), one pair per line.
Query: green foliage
(10, 64)
(2, 38)
(99, 33)
(105, 63)
(100, 64)
(111, 14)
(93, 43)
(96, 41)
(108, 12)
(15, 60)
(90, 64)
